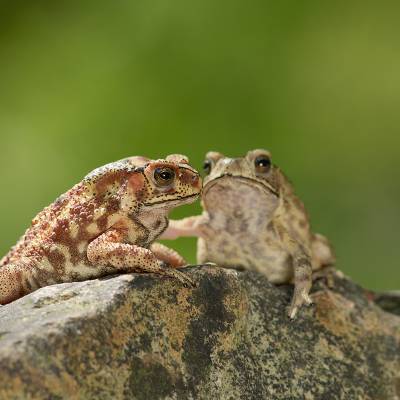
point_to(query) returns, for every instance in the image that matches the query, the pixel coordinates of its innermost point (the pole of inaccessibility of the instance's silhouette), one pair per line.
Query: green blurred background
(317, 83)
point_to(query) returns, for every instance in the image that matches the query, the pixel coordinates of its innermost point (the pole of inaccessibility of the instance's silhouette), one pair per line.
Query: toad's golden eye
(164, 176)
(207, 166)
(262, 164)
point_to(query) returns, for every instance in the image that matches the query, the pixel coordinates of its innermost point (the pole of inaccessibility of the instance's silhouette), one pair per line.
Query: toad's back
(58, 235)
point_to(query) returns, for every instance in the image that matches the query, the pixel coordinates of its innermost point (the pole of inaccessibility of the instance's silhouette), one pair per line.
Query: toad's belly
(272, 261)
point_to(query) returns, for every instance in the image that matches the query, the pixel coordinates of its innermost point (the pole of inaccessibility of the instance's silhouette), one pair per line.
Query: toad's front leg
(186, 227)
(302, 270)
(302, 282)
(111, 249)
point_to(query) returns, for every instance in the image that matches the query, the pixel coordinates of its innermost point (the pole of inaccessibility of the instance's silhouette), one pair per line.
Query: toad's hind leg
(302, 270)
(15, 283)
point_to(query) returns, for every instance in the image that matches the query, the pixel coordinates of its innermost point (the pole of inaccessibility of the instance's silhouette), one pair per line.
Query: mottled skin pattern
(105, 224)
(252, 219)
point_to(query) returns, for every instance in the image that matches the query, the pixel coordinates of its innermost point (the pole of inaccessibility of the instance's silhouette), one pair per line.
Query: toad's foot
(183, 277)
(207, 264)
(300, 298)
(176, 274)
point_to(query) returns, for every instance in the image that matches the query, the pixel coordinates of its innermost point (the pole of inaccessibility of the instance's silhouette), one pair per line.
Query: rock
(147, 337)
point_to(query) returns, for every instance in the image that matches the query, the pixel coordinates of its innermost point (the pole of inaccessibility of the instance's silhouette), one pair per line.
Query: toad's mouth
(254, 182)
(178, 200)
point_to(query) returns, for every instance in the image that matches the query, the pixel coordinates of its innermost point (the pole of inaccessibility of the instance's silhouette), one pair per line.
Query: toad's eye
(262, 164)
(207, 166)
(164, 176)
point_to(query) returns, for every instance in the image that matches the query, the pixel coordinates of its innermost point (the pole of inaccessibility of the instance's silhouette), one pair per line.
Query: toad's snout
(232, 166)
(196, 181)
(191, 178)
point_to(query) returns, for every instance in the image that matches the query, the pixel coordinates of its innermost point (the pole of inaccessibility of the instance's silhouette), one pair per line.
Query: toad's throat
(265, 186)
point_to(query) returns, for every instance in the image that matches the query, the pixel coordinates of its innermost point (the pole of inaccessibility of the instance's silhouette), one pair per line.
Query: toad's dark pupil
(165, 175)
(263, 162)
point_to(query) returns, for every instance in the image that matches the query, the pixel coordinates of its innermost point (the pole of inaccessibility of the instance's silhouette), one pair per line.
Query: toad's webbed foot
(182, 277)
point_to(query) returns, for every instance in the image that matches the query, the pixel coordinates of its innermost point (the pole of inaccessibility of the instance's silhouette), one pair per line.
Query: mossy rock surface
(146, 337)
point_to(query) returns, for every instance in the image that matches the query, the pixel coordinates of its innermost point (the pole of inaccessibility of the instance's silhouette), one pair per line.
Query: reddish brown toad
(105, 224)
(252, 219)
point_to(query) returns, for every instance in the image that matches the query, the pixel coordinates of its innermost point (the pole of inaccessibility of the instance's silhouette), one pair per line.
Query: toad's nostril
(196, 181)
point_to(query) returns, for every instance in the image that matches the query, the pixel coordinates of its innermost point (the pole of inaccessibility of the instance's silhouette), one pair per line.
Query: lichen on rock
(145, 337)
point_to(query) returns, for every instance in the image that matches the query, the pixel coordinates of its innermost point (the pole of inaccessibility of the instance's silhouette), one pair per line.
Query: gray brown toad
(252, 219)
